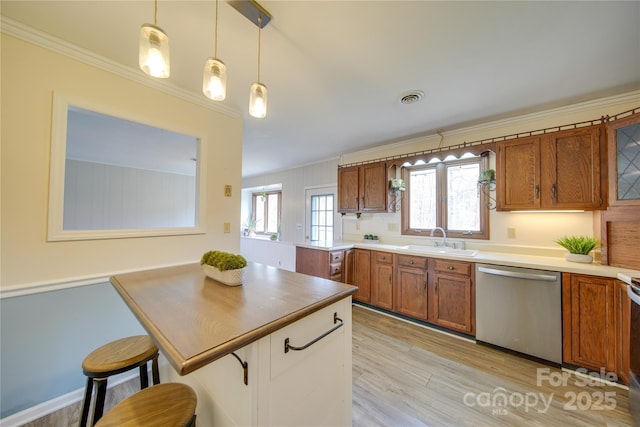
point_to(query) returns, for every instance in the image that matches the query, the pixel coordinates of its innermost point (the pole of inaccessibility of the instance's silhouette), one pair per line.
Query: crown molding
(31, 35)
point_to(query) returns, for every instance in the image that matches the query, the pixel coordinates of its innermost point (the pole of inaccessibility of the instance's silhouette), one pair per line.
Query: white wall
(294, 183)
(98, 196)
(46, 334)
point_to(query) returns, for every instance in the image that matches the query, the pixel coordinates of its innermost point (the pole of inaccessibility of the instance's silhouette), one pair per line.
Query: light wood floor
(406, 375)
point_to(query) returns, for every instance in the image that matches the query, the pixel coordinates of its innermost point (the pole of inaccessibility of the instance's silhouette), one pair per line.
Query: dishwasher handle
(518, 275)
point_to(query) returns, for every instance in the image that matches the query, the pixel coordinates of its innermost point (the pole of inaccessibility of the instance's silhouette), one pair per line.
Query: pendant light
(258, 95)
(214, 78)
(154, 49)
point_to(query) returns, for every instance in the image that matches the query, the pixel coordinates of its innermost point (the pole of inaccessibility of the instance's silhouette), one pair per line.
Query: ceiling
(336, 70)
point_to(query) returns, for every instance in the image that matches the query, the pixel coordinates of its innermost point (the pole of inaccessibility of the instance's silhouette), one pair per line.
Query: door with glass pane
(322, 223)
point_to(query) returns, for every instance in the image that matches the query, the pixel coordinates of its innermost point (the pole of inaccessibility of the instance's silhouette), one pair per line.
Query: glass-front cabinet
(624, 161)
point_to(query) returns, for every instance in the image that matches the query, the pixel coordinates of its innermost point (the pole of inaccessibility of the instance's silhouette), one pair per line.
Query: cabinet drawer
(383, 257)
(453, 267)
(335, 269)
(336, 256)
(412, 261)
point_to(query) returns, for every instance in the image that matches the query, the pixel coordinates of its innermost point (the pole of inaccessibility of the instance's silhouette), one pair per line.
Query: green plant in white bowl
(224, 267)
(579, 247)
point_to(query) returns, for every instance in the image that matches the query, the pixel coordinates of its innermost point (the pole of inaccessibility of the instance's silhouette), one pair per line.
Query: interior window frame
(442, 198)
(266, 194)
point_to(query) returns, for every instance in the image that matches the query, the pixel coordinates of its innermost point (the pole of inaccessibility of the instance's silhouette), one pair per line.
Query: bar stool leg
(144, 377)
(155, 371)
(101, 392)
(86, 403)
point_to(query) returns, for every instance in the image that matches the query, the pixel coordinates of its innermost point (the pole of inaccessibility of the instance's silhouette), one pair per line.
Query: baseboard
(45, 408)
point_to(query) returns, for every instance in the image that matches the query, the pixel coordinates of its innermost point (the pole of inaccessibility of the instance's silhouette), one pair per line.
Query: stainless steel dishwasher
(520, 309)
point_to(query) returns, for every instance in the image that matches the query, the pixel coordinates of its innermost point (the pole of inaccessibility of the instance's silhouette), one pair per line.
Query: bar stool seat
(114, 358)
(166, 405)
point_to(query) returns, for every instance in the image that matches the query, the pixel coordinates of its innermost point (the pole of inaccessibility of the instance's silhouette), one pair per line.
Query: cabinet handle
(537, 191)
(288, 347)
(554, 191)
(424, 285)
(451, 267)
(436, 286)
(411, 262)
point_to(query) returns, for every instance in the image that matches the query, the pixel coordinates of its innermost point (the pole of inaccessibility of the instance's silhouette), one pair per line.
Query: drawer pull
(288, 347)
(412, 262)
(451, 267)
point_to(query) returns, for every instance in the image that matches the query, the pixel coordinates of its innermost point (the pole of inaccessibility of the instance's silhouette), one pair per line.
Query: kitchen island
(241, 348)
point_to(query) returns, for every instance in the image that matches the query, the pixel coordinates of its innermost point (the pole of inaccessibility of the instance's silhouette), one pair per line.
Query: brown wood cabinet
(624, 164)
(558, 170)
(411, 286)
(319, 263)
(592, 317)
(453, 295)
(364, 188)
(382, 280)
(362, 274)
(623, 330)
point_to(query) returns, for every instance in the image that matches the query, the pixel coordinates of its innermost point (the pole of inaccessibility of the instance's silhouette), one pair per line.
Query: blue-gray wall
(44, 338)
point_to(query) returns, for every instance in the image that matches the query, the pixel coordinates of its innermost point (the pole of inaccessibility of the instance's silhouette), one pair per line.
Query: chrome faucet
(444, 236)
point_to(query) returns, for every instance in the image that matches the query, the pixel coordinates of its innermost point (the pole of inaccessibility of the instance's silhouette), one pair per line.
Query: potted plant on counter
(578, 247)
(224, 267)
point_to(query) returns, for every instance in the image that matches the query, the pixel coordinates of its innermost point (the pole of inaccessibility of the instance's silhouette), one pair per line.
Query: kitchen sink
(440, 250)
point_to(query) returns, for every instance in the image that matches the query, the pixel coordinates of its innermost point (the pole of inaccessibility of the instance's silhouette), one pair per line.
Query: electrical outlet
(357, 225)
(511, 232)
(227, 192)
(227, 227)
(392, 226)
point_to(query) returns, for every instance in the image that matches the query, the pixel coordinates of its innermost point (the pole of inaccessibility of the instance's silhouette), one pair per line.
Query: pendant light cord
(259, 29)
(155, 13)
(215, 40)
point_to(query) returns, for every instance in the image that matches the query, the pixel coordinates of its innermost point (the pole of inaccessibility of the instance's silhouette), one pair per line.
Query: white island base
(310, 387)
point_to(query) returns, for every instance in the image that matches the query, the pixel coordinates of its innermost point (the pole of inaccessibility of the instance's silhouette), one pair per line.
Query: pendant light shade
(214, 77)
(214, 80)
(153, 56)
(258, 94)
(258, 100)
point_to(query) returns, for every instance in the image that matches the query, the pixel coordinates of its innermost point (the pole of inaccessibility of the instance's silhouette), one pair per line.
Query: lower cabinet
(382, 280)
(453, 296)
(411, 286)
(319, 263)
(596, 314)
(362, 275)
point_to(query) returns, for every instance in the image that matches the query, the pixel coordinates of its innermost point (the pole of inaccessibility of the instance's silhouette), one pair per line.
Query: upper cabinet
(558, 170)
(624, 161)
(363, 188)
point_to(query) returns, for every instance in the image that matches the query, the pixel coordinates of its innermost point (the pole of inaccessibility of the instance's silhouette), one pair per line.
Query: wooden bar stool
(166, 405)
(114, 358)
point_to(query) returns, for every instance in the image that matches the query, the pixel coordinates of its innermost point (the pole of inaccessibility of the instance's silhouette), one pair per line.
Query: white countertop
(496, 258)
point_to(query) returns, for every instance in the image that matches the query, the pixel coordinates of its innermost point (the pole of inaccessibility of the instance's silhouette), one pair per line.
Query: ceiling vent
(411, 97)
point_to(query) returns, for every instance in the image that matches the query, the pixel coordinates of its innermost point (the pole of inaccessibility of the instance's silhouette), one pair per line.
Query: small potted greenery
(224, 267)
(578, 247)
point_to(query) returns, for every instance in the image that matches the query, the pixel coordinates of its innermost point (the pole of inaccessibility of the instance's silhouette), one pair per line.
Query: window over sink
(445, 194)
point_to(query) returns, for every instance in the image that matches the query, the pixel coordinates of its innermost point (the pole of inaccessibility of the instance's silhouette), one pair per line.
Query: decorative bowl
(229, 277)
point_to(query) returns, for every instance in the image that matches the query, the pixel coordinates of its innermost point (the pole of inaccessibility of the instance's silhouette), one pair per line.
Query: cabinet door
(348, 189)
(411, 292)
(452, 303)
(571, 170)
(362, 274)
(623, 330)
(373, 187)
(624, 161)
(590, 339)
(518, 174)
(382, 285)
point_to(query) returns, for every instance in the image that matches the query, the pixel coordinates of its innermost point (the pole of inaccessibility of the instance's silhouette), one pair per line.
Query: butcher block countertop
(196, 320)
